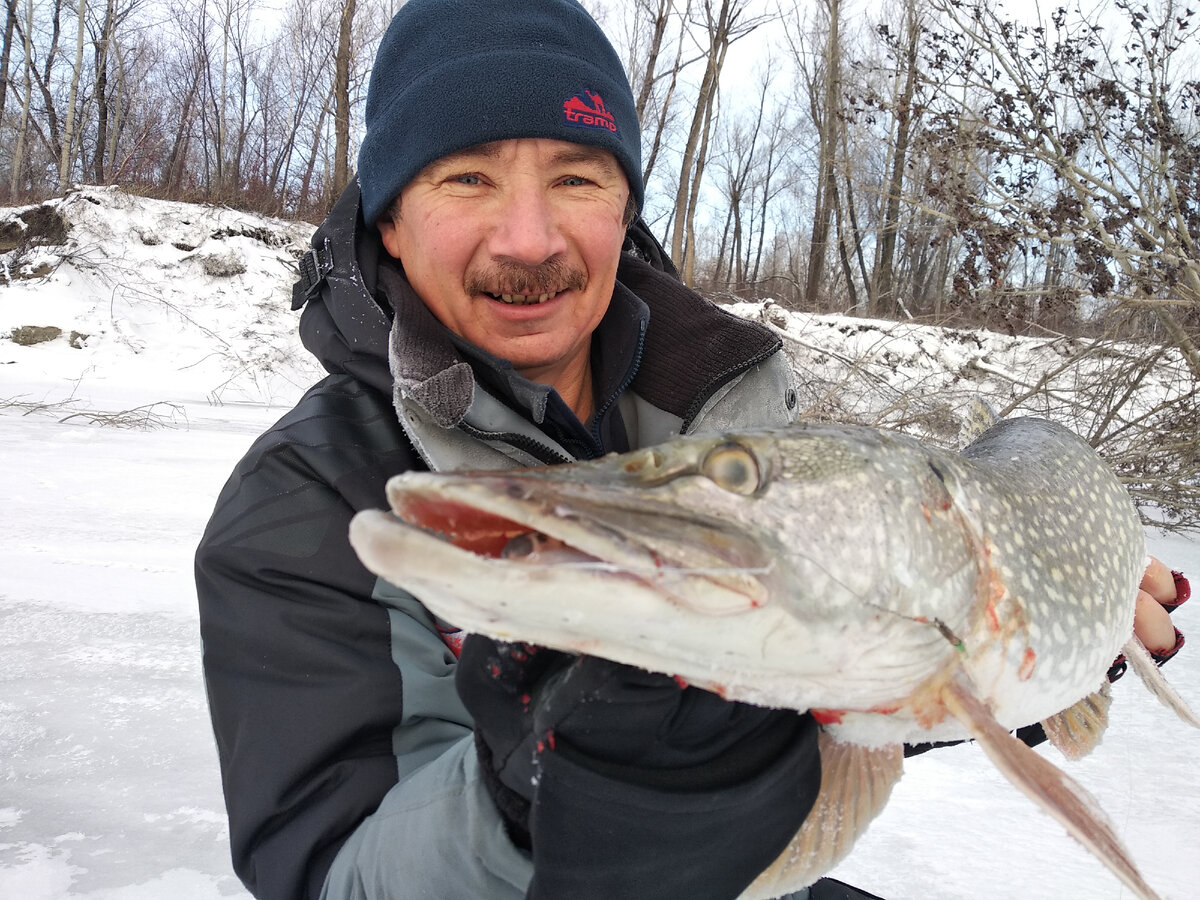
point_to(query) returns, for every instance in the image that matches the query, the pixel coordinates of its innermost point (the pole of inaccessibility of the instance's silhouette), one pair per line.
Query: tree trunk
(116, 109)
(851, 208)
(722, 271)
(101, 55)
(826, 187)
(660, 125)
(221, 103)
(703, 101)
(306, 182)
(778, 132)
(843, 253)
(660, 17)
(175, 159)
(237, 162)
(18, 154)
(341, 92)
(67, 159)
(10, 22)
(51, 137)
(883, 297)
(721, 33)
(689, 255)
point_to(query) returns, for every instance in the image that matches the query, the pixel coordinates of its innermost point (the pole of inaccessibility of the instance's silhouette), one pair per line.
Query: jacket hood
(343, 325)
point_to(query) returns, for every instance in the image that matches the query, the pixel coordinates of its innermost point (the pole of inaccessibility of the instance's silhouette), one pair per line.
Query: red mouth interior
(465, 527)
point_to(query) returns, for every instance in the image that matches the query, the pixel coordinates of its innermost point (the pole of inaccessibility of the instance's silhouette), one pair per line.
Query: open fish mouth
(585, 529)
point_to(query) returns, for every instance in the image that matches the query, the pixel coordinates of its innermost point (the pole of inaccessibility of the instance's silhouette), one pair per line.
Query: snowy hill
(174, 321)
(155, 301)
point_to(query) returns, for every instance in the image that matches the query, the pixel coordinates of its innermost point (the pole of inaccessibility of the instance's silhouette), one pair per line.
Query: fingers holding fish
(1152, 624)
(1159, 582)
(1162, 591)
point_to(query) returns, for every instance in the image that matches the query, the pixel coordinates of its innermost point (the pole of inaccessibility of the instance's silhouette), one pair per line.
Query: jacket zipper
(630, 374)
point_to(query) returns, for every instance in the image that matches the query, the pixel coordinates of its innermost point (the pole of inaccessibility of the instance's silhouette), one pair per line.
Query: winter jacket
(346, 755)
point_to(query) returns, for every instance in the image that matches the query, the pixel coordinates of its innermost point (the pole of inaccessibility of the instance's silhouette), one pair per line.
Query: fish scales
(899, 591)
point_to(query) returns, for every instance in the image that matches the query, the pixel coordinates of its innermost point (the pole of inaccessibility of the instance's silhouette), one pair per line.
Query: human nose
(527, 229)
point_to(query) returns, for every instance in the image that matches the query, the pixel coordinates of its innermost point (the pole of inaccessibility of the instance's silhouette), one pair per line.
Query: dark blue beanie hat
(451, 74)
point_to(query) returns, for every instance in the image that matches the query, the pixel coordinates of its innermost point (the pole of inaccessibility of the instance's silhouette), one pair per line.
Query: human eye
(576, 181)
(470, 179)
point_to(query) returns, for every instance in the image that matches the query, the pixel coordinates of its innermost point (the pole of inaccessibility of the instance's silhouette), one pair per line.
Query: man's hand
(1161, 592)
(618, 779)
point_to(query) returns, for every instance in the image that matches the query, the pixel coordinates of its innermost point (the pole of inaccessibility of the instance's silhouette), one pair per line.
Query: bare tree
(47, 129)
(18, 159)
(883, 299)
(721, 27)
(103, 97)
(780, 128)
(101, 44)
(341, 95)
(289, 85)
(67, 157)
(185, 78)
(739, 164)
(655, 81)
(824, 100)
(655, 16)
(1082, 140)
(309, 53)
(10, 24)
(227, 96)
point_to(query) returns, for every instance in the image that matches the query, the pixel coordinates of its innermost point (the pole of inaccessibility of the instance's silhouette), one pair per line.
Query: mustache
(506, 277)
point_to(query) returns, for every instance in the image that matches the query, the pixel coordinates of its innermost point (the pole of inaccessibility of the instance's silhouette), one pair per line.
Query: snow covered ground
(109, 787)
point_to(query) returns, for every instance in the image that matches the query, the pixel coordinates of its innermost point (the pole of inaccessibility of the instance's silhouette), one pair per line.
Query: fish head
(759, 564)
(680, 516)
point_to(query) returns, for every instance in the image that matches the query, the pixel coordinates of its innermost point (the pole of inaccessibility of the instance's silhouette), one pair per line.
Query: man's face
(514, 246)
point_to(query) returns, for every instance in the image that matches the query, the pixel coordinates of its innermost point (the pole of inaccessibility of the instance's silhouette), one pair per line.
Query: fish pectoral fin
(1047, 785)
(1077, 730)
(1152, 677)
(856, 782)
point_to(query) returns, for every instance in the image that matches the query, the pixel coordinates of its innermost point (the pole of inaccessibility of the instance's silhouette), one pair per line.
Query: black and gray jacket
(346, 755)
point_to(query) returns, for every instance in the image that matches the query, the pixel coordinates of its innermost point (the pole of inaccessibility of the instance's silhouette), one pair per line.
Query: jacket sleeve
(323, 700)
(437, 833)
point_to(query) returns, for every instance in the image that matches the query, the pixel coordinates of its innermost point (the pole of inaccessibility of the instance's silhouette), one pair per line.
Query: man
(491, 300)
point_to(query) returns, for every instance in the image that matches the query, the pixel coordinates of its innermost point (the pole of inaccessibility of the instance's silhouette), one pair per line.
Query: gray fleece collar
(426, 368)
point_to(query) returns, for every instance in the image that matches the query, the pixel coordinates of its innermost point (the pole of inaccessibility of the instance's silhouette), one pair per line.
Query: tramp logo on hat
(584, 114)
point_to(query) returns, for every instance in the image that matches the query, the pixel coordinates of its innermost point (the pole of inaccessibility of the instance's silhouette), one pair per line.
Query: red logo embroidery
(590, 113)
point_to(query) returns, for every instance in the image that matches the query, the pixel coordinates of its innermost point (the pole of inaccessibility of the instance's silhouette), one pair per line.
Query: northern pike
(898, 591)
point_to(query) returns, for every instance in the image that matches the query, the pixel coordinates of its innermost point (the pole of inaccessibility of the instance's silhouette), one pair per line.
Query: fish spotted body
(900, 592)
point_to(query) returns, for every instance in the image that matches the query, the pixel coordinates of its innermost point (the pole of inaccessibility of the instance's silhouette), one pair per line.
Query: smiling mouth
(524, 299)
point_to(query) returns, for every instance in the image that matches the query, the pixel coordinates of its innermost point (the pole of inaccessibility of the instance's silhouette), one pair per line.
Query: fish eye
(733, 468)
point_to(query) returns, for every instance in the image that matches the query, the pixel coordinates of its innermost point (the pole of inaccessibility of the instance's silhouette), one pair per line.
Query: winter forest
(1032, 170)
(929, 201)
